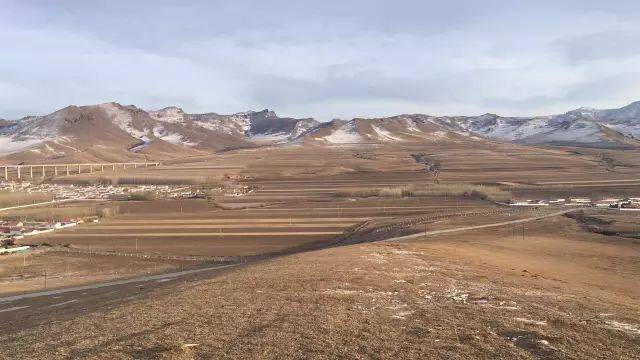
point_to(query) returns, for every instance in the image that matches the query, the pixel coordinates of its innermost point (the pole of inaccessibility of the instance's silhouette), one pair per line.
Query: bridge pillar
(19, 173)
(44, 173)
(55, 171)
(102, 167)
(79, 169)
(31, 171)
(6, 173)
(67, 170)
(90, 168)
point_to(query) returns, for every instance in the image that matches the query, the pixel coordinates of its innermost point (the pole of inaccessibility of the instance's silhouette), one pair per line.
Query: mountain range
(114, 132)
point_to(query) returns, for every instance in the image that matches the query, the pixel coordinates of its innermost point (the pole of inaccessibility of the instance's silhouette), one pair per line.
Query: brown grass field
(9, 199)
(55, 268)
(320, 283)
(484, 294)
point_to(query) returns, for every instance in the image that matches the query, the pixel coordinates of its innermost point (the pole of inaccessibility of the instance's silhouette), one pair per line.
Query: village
(101, 191)
(61, 193)
(628, 204)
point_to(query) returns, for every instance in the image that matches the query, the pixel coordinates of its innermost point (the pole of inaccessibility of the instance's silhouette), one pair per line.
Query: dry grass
(467, 190)
(8, 199)
(62, 213)
(383, 301)
(143, 196)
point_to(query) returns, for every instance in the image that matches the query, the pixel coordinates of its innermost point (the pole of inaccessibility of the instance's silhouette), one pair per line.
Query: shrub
(484, 192)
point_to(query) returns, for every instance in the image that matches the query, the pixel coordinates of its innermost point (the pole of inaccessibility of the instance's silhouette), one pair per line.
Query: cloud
(602, 45)
(371, 58)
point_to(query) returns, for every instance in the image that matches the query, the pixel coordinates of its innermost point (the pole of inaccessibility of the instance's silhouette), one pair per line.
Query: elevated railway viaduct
(31, 170)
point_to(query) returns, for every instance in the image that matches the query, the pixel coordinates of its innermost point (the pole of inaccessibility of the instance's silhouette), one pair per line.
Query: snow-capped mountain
(112, 131)
(580, 127)
(397, 129)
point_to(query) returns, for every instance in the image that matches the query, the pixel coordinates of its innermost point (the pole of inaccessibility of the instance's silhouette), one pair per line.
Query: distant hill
(615, 128)
(114, 132)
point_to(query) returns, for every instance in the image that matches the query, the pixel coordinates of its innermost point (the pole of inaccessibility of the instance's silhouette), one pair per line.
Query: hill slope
(114, 132)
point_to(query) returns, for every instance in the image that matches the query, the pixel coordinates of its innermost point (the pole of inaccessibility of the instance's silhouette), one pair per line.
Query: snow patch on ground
(530, 321)
(376, 258)
(616, 325)
(342, 292)
(401, 311)
(457, 295)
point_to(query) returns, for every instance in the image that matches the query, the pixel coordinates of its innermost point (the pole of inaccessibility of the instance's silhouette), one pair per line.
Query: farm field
(306, 234)
(248, 232)
(490, 162)
(555, 294)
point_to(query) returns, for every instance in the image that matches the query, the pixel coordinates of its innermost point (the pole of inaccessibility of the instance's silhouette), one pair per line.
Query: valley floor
(558, 292)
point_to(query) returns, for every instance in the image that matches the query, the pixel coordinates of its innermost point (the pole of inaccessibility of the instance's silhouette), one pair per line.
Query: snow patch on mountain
(140, 147)
(178, 139)
(122, 119)
(9, 144)
(411, 125)
(302, 127)
(626, 129)
(236, 124)
(345, 134)
(171, 114)
(276, 137)
(439, 135)
(384, 135)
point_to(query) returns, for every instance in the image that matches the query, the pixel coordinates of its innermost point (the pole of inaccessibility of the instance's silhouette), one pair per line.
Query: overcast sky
(324, 59)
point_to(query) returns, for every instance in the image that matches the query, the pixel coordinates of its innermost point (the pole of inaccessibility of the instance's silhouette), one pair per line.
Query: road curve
(475, 227)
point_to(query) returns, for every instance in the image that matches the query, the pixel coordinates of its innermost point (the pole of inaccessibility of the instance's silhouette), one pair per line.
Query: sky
(323, 59)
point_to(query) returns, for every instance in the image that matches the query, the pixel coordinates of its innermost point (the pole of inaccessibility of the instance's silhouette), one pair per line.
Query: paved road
(140, 279)
(476, 227)
(24, 311)
(46, 203)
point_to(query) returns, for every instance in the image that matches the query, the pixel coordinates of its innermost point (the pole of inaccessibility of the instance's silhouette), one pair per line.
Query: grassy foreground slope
(483, 294)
